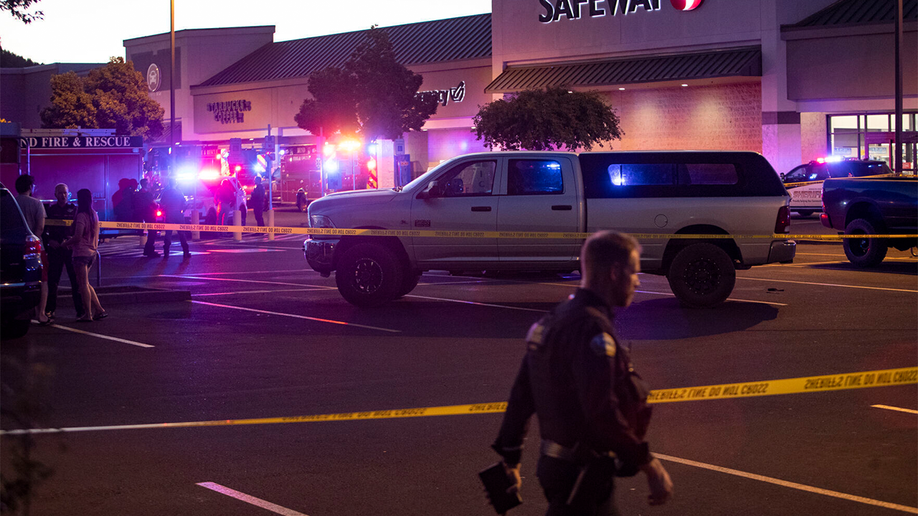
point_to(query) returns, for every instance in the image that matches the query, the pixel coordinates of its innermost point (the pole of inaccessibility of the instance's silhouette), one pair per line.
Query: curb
(128, 295)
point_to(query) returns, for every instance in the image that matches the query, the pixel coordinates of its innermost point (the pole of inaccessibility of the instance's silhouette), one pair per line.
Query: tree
(112, 97)
(11, 60)
(18, 9)
(371, 95)
(547, 119)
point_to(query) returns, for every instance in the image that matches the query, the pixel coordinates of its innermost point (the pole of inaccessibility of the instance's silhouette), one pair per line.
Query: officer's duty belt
(558, 451)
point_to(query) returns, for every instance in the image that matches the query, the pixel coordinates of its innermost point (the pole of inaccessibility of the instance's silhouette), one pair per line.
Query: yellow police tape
(832, 382)
(449, 234)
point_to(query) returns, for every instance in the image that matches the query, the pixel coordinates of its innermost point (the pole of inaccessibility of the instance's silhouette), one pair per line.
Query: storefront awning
(738, 62)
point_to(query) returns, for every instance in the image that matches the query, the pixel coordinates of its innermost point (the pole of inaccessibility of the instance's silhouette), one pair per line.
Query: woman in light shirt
(85, 243)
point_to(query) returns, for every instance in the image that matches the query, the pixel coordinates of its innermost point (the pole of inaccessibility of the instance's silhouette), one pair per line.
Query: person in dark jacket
(580, 382)
(145, 211)
(257, 201)
(172, 203)
(59, 256)
(123, 201)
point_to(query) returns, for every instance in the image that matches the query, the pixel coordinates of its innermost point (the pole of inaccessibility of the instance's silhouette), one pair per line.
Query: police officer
(579, 381)
(60, 257)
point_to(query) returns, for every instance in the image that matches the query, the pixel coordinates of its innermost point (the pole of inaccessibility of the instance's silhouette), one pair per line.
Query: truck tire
(14, 328)
(410, 281)
(369, 275)
(702, 276)
(864, 252)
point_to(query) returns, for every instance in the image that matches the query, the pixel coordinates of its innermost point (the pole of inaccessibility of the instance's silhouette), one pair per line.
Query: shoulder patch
(535, 335)
(603, 344)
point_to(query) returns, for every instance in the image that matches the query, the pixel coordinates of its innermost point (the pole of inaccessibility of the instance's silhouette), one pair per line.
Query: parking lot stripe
(258, 502)
(100, 336)
(296, 316)
(239, 280)
(461, 301)
(792, 485)
(897, 409)
(258, 291)
(830, 285)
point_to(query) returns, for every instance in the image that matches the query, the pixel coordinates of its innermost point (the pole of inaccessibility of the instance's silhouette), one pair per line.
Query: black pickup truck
(872, 206)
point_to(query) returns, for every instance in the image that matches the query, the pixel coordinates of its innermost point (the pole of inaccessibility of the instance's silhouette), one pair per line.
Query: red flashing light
(371, 164)
(238, 168)
(159, 213)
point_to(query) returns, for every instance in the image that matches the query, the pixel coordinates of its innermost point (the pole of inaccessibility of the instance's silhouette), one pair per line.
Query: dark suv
(20, 269)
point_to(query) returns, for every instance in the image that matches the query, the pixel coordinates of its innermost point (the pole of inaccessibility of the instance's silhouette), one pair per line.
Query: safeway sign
(576, 9)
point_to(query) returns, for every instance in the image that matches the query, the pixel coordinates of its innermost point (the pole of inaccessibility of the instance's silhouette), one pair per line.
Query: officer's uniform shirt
(569, 378)
(59, 233)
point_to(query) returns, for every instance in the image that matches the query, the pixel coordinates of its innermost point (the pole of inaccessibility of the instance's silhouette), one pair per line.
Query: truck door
(541, 195)
(466, 201)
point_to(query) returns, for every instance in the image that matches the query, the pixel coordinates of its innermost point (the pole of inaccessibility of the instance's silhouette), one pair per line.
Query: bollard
(195, 219)
(98, 270)
(143, 238)
(270, 223)
(237, 221)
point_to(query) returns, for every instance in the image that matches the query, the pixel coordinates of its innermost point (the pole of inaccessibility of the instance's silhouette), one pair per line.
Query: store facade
(792, 79)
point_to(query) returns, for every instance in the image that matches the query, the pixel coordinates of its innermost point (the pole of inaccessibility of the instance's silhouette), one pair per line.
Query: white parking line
(830, 285)
(460, 301)
(106, 337)
(245, 281)
(257, 292)
(897, 409)
(258, 502)
(792, 485)
(295, 316)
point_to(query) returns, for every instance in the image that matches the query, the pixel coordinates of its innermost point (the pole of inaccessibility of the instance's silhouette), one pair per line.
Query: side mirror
(432, 191)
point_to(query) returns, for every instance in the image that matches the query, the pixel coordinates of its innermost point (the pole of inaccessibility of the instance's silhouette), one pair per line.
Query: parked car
(871, 206)
(664, 193)
(20, 269)
(804, 183)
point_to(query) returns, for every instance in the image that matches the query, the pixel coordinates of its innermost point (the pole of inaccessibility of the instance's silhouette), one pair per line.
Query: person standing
(59, 256)
(172, 203)
(85, 244)
(34, 213)
(257, 201)
(146, 212)
(580, 382)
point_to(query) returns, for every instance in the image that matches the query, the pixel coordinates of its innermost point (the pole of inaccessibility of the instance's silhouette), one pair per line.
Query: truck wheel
(702, 276)
(410, 281)
(369, 275)
(14, 328)
(864, 252)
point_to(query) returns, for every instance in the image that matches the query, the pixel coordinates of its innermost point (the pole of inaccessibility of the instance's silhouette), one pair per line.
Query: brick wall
(717, 117)
(813, 136)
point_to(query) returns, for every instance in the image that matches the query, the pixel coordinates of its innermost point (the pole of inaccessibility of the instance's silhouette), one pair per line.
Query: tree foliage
(114, 96)
(547, 119)
(18, 8)
(11, 60)
(371, 95)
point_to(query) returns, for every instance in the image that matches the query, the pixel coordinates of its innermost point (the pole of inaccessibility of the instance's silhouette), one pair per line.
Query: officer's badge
(603, 344)
(534, 337)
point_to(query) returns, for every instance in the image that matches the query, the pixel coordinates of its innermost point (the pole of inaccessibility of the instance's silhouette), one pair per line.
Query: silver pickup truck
(735, 197)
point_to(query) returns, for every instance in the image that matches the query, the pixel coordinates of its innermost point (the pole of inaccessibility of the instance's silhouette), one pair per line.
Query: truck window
(643, 174)
(469, 179)
(534, 177)
(707, 174)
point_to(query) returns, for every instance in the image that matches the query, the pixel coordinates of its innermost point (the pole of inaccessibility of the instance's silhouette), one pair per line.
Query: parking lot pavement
(286, 397)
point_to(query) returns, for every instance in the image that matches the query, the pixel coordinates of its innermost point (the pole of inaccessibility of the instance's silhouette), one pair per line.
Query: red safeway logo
(686, 5)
